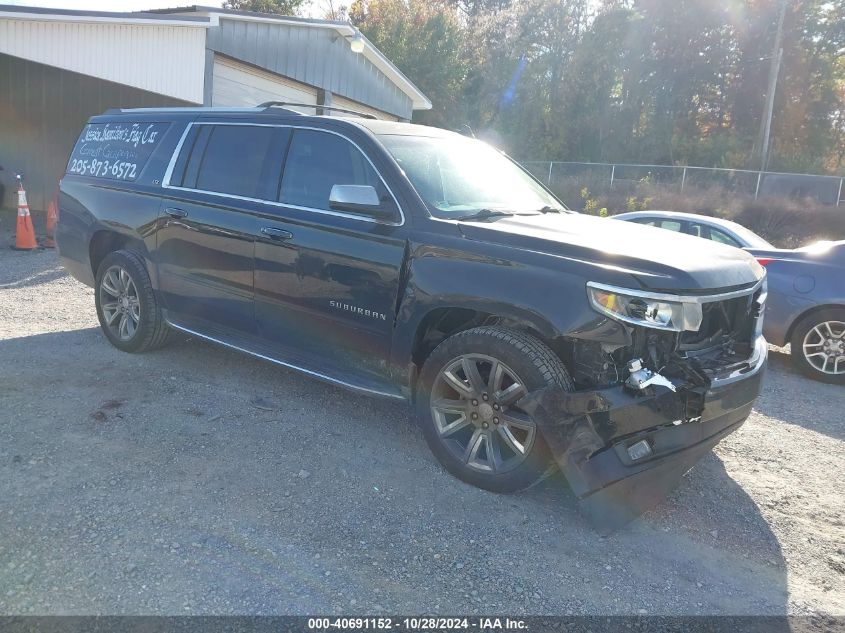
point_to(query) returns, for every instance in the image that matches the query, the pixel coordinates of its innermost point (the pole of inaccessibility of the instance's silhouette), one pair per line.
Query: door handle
(276, 234)
(173, 212)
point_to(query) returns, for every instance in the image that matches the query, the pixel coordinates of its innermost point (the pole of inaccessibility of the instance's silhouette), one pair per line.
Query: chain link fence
(561, 176)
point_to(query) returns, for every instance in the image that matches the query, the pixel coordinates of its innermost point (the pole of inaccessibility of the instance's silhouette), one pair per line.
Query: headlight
(662, 312)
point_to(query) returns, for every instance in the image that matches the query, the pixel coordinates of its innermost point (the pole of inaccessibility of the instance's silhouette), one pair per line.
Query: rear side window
(241, 160)
(316, 162)
(115, 150)
(723, 238)
(646, 221)
(670, 225)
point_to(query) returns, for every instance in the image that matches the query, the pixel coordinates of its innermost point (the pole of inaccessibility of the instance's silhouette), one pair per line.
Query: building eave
(345, 29)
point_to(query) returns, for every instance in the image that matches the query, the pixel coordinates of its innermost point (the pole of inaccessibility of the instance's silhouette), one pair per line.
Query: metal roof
(345, 78)
(13, 11)
(344, 29)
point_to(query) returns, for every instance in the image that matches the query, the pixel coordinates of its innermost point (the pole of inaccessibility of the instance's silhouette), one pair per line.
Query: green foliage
(283, 7)
(424, 38)
(591, 205)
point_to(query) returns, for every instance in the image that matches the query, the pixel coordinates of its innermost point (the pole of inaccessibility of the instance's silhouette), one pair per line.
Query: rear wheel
(127, 308)
(468, 406)
(818, 345)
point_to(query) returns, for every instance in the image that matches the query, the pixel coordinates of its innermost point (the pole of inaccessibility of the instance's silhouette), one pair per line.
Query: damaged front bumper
(590, 434)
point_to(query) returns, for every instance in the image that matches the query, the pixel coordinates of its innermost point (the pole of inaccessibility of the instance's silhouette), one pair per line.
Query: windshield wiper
(483, 214)
(548, 209)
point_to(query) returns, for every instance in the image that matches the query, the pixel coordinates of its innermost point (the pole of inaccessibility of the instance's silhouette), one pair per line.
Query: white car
(716, 229)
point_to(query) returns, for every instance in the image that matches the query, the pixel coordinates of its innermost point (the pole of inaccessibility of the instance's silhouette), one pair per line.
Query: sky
(110, 5)
(116, 5)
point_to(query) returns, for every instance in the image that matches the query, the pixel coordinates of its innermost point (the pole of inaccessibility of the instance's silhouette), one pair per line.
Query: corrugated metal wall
(313, 56)
(168, 60)
(42, 111)
(349, 104)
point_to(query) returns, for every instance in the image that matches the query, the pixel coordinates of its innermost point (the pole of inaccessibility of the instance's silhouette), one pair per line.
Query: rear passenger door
(222, 178)
(326, 283)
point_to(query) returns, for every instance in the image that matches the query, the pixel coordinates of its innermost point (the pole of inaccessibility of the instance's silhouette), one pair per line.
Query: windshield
(458, 176)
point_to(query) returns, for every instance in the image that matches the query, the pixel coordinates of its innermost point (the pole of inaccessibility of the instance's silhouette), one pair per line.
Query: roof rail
(271, 104)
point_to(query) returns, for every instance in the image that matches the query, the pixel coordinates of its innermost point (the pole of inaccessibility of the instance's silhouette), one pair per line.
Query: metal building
(59, 67)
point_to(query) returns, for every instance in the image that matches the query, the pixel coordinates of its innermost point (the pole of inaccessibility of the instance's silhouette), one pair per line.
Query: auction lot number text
(416, 624)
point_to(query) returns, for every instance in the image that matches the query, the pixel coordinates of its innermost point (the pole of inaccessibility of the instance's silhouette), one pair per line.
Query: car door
(221, 179)
(326, 282)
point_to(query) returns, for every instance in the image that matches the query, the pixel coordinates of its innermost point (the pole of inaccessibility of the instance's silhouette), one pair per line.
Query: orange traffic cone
(49, 241)
(25, 236)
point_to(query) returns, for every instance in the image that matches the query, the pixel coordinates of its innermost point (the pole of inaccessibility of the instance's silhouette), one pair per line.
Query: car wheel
(126, 304)
(468, 406)
(818, 345)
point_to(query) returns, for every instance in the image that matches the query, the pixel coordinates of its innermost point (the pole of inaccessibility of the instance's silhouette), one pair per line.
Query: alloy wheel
(824, 347)
(119, 303)
(473, 403)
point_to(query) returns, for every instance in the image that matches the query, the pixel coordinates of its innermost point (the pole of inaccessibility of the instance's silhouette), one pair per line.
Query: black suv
(409, 262)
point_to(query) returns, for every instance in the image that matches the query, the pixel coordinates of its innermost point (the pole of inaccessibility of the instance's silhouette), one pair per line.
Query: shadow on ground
(801, 400)
(198, 480)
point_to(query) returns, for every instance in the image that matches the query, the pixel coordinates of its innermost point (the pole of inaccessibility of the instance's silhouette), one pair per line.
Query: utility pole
(774, 71)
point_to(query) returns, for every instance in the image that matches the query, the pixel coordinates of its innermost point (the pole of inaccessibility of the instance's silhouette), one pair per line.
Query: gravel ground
(197, 480)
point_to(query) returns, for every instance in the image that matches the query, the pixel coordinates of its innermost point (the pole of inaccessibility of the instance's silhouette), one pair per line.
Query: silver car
(806, 303)
(716, 229)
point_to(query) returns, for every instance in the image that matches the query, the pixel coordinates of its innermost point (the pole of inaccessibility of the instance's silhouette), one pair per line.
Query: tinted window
(117, 150)
(238, 160)
(672, 225)
(187, 165)
(646, 221)
(723, 238)
(316, 162)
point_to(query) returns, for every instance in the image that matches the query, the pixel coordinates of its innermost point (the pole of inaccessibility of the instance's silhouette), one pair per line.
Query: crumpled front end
(625, 444)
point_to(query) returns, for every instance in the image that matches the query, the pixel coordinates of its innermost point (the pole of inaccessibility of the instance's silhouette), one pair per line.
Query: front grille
(723, 342)
(720, 320)
(726, 334)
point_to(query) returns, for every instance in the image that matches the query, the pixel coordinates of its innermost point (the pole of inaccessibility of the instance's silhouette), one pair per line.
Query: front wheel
(818, 345)
(127, 308)
(468, 406)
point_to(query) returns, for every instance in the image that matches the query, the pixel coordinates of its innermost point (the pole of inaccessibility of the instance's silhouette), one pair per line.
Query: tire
(809, 337)
(444, 410)
(145, 328)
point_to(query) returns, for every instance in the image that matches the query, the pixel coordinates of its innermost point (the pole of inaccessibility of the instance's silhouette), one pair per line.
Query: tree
(283, 7)
(424, 39)
(646, 81)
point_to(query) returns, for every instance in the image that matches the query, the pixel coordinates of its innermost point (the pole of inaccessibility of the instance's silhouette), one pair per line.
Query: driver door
(326, 281)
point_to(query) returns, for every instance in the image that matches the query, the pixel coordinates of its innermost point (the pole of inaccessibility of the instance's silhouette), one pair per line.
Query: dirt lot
(198, 480)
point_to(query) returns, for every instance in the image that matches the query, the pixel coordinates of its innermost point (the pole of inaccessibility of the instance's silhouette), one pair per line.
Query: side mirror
(358, 199)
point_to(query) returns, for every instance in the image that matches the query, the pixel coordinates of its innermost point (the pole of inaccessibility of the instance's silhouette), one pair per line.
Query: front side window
(240, 160)
(458, 175)
(316, 162)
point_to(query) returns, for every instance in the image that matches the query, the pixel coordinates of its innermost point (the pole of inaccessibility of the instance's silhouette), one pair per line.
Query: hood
(659, 259)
